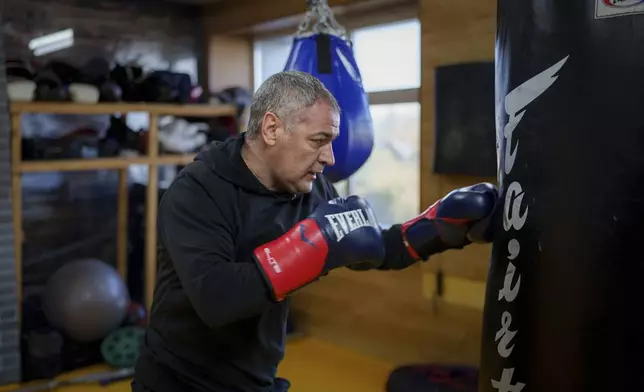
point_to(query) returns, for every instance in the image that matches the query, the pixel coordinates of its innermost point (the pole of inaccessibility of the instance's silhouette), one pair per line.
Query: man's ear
(270, 125)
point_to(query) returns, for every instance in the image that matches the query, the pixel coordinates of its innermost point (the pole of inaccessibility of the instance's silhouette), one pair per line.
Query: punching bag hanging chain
(319, 19)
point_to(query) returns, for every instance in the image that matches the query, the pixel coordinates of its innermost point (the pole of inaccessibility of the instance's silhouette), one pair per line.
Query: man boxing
(252, 220)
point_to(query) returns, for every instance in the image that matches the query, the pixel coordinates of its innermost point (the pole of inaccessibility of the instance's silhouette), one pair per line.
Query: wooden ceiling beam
(252, 16)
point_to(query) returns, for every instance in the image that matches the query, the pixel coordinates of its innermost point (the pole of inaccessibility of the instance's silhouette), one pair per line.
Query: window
(269, 57)
(388, 56)
(389, 60)
(390, 177)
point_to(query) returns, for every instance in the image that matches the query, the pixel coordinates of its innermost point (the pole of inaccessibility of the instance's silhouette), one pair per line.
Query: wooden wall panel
(251, 16)
(230, 62)
(452, 32)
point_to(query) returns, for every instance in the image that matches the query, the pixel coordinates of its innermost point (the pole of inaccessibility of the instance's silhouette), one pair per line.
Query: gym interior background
(356, 326)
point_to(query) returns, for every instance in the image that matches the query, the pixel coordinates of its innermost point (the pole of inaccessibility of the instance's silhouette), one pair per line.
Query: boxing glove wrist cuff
(412, 252)
(294, 259)
(421, 235)
(424, 219)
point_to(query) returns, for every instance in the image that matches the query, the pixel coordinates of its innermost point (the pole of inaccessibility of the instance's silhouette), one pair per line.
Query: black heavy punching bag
(564, 297)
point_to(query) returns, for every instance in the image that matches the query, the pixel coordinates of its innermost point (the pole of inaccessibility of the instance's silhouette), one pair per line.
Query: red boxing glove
(456, 220)
(339, 233)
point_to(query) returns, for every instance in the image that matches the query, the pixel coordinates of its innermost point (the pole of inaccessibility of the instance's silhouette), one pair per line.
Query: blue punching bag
(322, 48)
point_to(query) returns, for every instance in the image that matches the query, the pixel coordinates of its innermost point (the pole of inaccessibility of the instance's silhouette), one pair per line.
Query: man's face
(301, 153)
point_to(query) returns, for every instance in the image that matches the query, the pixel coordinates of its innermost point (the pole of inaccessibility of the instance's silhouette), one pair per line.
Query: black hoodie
(213, 325)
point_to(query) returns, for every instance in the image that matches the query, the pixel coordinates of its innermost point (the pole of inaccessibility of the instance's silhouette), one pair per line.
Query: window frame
(389, 97)
(386, 97)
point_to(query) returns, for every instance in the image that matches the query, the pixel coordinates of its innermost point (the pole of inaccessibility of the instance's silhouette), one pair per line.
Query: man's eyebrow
(325, 134)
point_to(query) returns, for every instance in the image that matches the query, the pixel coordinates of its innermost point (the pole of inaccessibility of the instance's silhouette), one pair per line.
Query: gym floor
(311, 365)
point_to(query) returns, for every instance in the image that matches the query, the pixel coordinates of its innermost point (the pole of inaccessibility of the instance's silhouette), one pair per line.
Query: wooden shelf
(153, 160)
(99, 163)
(193, 110)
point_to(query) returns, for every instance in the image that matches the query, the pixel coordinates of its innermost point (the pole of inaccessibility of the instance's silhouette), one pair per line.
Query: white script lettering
(518, 99)
(513, 218)
(510, 292)
(344, 223)
(505, 385)
(506, 336)
(272, 261)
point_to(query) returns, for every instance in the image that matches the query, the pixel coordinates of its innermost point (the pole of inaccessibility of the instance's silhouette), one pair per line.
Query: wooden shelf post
(151, 204)
(122, 224)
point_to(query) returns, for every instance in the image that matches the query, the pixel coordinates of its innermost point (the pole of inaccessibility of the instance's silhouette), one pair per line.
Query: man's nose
(326, 156)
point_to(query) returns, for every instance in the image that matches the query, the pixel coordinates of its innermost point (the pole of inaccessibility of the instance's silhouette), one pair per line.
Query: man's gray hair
(284, 94)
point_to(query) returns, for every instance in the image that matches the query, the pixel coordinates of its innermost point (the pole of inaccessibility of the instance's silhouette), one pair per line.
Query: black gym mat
(433, 378)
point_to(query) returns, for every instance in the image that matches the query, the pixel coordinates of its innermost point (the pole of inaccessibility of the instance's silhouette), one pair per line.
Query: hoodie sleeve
(199, 241)
(397, 256)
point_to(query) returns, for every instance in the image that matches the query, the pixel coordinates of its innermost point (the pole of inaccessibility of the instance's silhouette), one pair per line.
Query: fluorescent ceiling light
(52, 42)
(59, 45)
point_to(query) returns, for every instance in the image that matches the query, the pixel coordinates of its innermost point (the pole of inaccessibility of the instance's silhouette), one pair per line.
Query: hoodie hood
(225, 160)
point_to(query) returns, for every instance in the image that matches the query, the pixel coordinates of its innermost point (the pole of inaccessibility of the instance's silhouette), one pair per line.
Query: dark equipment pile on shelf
(47, 137)
(97, 81)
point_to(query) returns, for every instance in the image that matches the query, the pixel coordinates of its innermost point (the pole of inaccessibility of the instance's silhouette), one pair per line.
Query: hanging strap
(319, 19)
